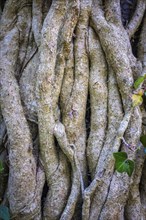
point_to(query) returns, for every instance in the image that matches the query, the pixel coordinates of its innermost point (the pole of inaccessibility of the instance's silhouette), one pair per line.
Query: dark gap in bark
(106, 195)
(88, 176)
(47, 2)
(73, 40)
(127, 10)
(135, 40)
(2, 4)
(143, 180)
(4, 179)
(44, 195)
(36, 151)
(78, 210)
(144, 104)
(30, 41)
(60, 113)
(107, 116)
(88, 116)
(88, 125)
(25, 62)
(57, 150)
(35, 50)
(46, 6)
(120, 96)
(5, 160)
(20, 66)
(3, 133)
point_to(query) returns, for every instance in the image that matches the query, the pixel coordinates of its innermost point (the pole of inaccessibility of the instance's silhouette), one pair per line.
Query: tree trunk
(67, 70)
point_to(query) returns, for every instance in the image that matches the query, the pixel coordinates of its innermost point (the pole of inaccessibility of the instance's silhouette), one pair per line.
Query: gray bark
(66, 66)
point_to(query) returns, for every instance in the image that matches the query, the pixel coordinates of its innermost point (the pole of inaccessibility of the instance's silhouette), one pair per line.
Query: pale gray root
(9, 16)
(27, 62)
(22, 168)
(142, 46)
(113, 14)
(120, 185)
(65, 37)
(105, 162)
(37, 20)
(27, 65)
(68, 80)
(120, 64)
(142, 57)
(3, 159)
(4, 174)
(33, 209)
(24, 22)
(28, 88)
(98, 99)
(136, 65)
(63, 51)
(136, 18)
(133, 208)
(77, 181)
(113, 11)
(143, 191)
(27, 72)
(75, 110)
(19, 16)
(22, 165)
(2, 130)
(73, 113)
(55, 164)
(112, 38)
(45, 76)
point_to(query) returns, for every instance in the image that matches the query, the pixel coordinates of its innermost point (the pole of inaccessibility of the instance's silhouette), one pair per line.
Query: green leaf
(136, 100)
(143, 140)
(120, 156)
(4, 213)
(1, 167)
(139, 81)
(123, 164)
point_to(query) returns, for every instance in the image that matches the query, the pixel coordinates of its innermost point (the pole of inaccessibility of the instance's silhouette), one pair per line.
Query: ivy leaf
(140, 92)
(4, 213)
(123, 164)
(1, 167)
(136, 100)
(143, 140)
(139, 81)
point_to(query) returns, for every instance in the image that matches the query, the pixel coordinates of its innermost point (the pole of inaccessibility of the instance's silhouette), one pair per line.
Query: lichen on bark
(67, 71)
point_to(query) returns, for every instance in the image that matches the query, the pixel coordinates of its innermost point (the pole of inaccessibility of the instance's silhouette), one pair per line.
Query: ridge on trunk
(67, 73)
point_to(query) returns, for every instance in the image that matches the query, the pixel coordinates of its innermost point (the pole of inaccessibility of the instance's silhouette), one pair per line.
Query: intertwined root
(71, 50)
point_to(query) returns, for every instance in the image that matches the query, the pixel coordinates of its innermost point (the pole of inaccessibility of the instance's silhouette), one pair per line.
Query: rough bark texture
(67, 71)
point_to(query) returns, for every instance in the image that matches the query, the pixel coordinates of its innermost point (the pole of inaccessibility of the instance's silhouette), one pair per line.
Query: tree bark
(67, 70)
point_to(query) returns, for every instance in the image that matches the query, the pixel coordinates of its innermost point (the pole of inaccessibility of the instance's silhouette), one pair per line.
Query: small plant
(143, 141)
(139, 81)
(137, 97)
(1, 166)
(4, 213)
(122, 162)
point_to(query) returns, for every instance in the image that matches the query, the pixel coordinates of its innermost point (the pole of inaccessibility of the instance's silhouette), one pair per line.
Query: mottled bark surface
(67, 69)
